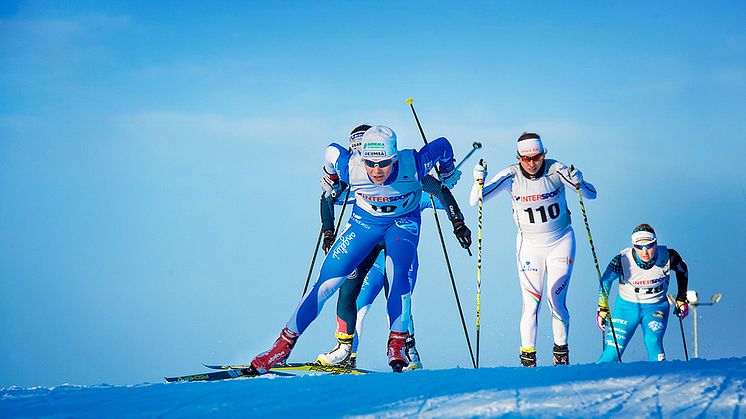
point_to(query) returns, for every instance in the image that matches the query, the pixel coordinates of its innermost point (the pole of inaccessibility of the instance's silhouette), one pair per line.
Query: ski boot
(352, 362)
(412, 355)
(397, 348)
(278, 353)
(528, 357)
(561, 355)
(340, 355)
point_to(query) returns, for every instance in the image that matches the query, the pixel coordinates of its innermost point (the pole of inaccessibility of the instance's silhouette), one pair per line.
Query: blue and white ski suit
(642, 299)
(388, 213)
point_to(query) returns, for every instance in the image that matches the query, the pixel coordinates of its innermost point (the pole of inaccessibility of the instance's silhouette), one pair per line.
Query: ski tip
(477, 144)
(409, 101)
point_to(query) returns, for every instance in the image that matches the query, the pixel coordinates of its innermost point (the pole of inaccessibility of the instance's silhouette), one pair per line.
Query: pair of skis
(227, 372)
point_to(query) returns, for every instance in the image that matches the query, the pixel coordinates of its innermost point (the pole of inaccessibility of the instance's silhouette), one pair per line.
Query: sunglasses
(645, 246)
(535, 158)
(380, 163)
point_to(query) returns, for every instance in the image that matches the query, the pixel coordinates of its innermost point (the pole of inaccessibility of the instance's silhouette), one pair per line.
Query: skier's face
(379, 174)
(646, 253)
(531, 164)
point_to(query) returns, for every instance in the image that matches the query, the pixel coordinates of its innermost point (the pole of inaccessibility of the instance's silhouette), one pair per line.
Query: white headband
(643, 237)
(530, 146)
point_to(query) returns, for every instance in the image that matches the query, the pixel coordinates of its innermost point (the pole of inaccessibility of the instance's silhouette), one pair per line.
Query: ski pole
(475, 146)
(443, 244)
(681, 325)
(479, 262)
(683, 339)
(313, 260)
(598, 271)
(318, 241)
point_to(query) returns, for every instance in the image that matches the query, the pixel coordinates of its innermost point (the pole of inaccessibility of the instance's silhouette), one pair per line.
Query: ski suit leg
(531, 271)
(654, 322)
(349, 292)
(412, 281)
(626, 317)
(559, 268)
(372, 285)
(350, 248)
(401, 246)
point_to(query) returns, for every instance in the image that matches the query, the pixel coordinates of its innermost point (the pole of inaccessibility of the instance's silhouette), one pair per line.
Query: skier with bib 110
(545, 244)
(361, 288)
(387, 184)
(643, 272)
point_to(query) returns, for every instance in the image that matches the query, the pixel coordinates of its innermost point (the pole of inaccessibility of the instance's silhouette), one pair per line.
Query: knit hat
(379, 143)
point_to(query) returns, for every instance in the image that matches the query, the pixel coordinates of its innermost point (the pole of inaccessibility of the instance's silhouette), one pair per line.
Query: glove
(601, 314)
(682, 309)
(463, 234)
(330, 185)
(576, 176)
(449, 178)
(329, 238)
(480, 171)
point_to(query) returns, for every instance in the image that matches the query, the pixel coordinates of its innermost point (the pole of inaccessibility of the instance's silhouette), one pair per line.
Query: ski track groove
(425, 399)
(658, 408)
(605, 398)
(625, 396)
(737, 410)
(717, 393)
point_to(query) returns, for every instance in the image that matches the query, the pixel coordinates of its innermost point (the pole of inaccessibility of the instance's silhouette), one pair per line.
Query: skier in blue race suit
(387, 184)
(643, 272)
(361, 288)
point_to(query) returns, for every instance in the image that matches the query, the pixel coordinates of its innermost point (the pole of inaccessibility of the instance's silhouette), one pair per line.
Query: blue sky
(159, 166)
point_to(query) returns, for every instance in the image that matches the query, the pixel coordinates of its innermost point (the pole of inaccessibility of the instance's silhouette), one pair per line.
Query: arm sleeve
(336, 159)
(327, 212)
(436, 151)
(586, 189)
(434, 187)
(612, 272)
(501, 182)
(327, 208)
(682, 274)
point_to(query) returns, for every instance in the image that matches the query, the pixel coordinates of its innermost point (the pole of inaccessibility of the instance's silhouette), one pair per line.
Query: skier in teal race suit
(643, 272)
(387, 184)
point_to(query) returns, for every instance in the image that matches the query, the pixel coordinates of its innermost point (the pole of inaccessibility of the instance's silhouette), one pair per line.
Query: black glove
(463, 234)
(329, 238)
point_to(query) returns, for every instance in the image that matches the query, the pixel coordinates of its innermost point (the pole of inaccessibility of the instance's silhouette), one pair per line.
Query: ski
(223, 374)
(311, 367)
(314, 367)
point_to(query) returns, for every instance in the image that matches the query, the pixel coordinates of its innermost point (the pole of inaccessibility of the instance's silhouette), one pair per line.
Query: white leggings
(554, 262)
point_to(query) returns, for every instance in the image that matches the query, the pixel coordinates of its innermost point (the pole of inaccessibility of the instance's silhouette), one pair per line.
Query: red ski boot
(398, 350)
(279, 352)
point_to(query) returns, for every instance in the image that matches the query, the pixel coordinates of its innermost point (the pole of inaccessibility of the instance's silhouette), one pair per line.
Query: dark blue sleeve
(682, 274)
(613, 271)
(436, 151)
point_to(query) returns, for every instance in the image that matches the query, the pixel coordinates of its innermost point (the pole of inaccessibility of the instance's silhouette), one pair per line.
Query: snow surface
(711, 388)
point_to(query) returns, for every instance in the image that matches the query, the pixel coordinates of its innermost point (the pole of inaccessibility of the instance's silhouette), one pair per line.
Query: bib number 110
(553, 210)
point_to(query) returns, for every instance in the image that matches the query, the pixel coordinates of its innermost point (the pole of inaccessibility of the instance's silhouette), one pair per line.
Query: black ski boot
(397, 366)
(561, 355)
(528, 358)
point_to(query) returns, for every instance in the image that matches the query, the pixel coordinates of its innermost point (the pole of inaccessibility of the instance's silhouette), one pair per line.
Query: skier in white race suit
(545, 244)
